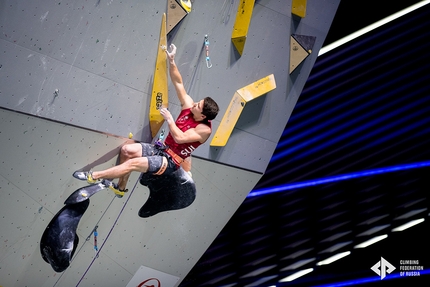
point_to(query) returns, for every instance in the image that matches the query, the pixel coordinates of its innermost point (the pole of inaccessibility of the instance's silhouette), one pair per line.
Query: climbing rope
(109, 233)
(87, 239)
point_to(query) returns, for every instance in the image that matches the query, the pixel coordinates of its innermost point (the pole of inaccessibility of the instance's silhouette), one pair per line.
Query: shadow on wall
(105, 158)
(167, 192)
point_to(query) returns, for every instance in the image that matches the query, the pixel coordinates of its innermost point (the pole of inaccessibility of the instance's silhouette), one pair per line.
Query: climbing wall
(76, 78)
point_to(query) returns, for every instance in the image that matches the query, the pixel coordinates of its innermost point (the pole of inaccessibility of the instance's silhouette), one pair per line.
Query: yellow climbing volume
(236, 106)
(241, 25)
(159, 97)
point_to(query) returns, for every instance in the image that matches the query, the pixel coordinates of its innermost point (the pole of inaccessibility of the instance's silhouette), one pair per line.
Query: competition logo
(383, 267)
(182, 119)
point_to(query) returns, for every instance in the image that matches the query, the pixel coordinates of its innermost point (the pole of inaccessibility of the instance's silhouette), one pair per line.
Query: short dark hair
(210, 109)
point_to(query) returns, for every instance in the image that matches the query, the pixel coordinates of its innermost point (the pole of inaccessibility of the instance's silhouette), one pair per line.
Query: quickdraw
(95, 233)
(208, 60)
(96, 249)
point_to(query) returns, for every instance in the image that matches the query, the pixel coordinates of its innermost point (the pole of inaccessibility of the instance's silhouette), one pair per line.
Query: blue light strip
(308, 115)
(369, 279)
(345, 125)
(335, 178)
(361, 128)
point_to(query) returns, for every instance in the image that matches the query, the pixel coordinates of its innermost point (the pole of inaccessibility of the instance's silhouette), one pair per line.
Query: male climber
(191, 129)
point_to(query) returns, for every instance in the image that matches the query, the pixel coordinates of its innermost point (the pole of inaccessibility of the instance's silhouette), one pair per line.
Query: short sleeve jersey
(184, 122)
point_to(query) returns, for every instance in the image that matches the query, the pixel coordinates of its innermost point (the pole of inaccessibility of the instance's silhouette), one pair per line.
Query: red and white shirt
(184, 122)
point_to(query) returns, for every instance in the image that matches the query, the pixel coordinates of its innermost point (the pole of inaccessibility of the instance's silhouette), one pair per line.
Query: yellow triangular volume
(186, 4)
(239, 43)
(236, 106)
(228, 122)
(241, 24)
(159, 95)
(258, 88)
(298, 8)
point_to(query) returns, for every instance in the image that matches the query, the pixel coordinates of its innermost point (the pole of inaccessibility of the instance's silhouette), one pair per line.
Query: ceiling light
(296, 275)
(371, 241)
(371, 27)
(298, 264)
(407, 225)
(333, 258)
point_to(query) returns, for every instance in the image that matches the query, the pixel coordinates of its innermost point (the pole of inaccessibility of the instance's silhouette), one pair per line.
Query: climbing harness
(176, 158)
(162, 169)
(208, 60)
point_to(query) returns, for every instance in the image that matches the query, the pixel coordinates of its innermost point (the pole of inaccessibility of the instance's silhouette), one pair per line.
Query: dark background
(366, 105)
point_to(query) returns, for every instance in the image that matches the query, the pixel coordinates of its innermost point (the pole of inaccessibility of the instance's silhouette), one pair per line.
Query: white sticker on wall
(145, 276)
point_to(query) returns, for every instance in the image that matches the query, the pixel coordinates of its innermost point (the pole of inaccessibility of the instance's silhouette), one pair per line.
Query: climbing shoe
(85, 175)
(115, 188)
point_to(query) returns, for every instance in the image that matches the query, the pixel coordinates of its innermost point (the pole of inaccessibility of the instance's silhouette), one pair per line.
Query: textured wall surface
(100, 56)
(76, 78)
(35, 179)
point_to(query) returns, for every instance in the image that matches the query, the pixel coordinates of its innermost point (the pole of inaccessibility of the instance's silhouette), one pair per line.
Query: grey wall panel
(21, 222)
(236, 152)
(111, 38)
(40, 156)
(84, 99)
(266, 51)
(36, 177)
(100, 55)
